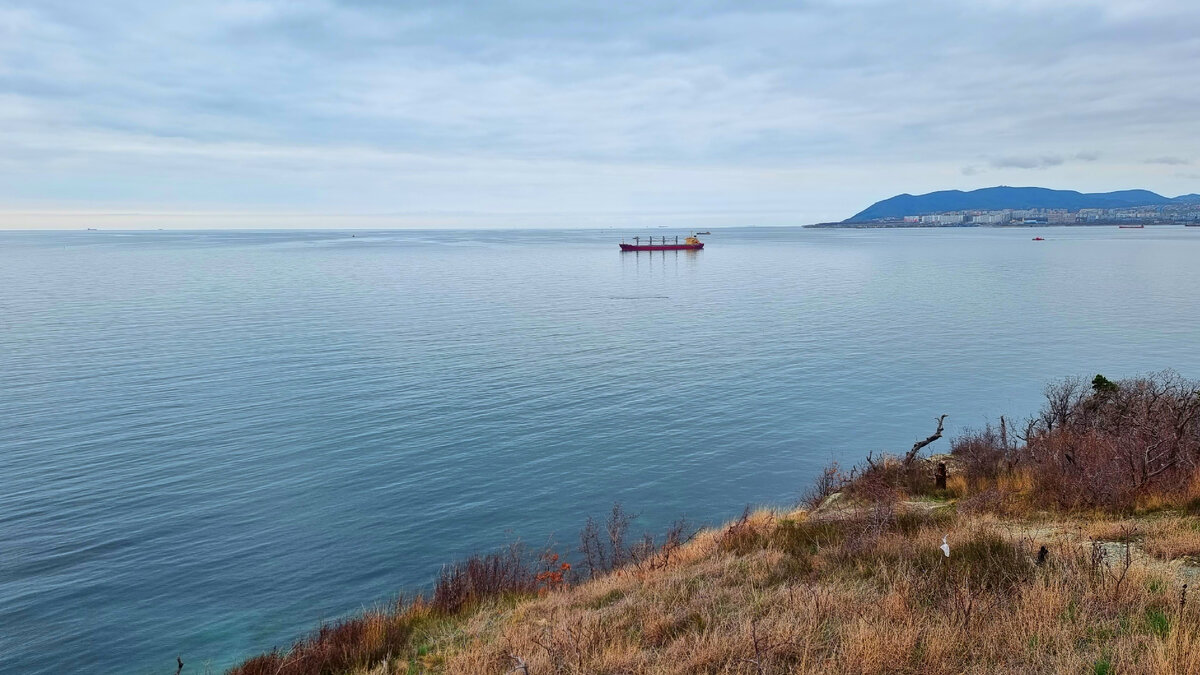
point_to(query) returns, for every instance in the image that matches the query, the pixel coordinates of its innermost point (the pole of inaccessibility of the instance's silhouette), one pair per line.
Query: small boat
(689, 244)
(704, 233)
(1039, 239)
(1131, 227)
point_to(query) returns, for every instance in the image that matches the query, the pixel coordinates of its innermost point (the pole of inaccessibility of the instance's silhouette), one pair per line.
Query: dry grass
(890, 603)
(786, 592)
(1172, 538)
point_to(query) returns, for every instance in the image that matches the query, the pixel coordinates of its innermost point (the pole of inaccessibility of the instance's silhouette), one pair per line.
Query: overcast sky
(321, 113)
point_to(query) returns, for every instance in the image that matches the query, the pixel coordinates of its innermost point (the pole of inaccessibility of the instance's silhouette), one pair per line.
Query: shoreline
(1029, 546)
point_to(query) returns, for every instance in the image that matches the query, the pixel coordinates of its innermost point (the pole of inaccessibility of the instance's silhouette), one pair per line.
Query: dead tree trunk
(912, 454)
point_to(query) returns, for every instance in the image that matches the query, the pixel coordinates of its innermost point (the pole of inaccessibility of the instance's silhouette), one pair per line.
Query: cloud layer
(560, 113)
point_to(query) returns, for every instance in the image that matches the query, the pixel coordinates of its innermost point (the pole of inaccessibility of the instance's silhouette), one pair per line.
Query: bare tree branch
(912, 454)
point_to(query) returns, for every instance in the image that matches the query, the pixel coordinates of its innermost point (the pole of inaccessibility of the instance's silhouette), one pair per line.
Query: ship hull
(661, 247)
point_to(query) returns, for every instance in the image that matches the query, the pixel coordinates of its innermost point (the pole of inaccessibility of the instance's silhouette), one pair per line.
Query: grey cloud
(1026, 162)
(1042, 161)
(613, 90)
(1168, 160)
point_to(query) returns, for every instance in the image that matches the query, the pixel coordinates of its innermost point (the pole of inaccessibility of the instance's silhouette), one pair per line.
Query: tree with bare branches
(916, 448)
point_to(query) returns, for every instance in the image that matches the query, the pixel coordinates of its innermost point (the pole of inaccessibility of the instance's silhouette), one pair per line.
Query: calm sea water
(212, 441)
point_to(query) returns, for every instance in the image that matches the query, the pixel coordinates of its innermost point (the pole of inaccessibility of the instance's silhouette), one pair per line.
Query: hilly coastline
(1014, 198)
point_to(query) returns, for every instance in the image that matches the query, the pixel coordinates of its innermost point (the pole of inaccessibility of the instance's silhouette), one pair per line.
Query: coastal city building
(1164, 214)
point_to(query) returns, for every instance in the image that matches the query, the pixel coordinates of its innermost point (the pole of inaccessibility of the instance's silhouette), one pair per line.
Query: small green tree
(1103, 385)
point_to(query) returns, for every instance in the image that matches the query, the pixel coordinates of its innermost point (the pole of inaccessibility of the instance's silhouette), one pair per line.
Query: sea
(213, 441)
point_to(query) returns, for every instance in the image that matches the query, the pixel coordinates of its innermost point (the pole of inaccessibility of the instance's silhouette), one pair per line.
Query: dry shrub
(743, 535)
(990, 500)
(1079, 469)
(956, 485)
(1191, 497)
(884, 479)
(680, 533)
(829, 482)
(604, 548)
(983, 454)
(482, 577)
(353, 644)
(1116, 444)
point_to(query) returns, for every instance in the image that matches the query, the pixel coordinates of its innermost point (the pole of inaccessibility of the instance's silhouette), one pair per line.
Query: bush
(1114, 445)
(830, 481)
(883, 479)
(742, 536)
(983, 454)
(605, 549)
(481, 577)
(1119, 443)
(353, 644)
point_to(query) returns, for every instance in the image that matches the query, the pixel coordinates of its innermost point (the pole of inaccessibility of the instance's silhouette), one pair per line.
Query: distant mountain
(1004, 197)
(1134, 197)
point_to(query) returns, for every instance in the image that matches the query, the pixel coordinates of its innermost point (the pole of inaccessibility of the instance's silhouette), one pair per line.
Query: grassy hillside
(1072, 545)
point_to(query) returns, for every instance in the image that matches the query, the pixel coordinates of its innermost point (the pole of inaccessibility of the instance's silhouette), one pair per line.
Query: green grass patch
(1157, 623)
(802, 539)
(911, 522)
(607, 599)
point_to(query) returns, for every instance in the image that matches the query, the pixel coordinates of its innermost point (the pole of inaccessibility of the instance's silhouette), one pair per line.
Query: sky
(370, 113)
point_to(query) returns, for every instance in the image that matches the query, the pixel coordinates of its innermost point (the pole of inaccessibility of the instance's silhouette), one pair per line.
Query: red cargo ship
(689, 244)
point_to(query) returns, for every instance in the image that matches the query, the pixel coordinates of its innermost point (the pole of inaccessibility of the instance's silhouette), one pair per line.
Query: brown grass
(349, 646)
(789, 592)
(1173, 538)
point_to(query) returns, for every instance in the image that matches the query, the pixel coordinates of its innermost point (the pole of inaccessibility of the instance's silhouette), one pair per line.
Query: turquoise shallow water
(211, 441)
